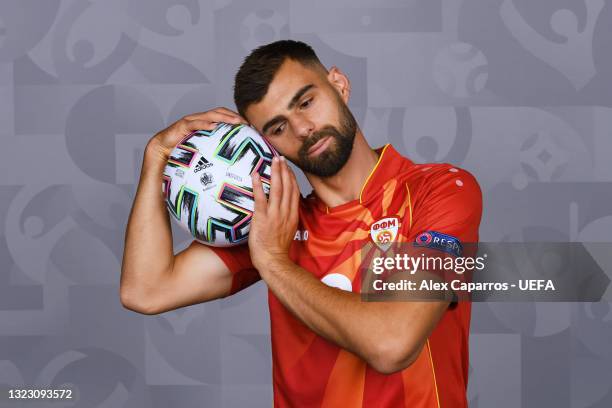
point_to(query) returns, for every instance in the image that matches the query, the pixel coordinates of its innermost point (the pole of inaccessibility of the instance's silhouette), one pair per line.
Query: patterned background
(519, 92)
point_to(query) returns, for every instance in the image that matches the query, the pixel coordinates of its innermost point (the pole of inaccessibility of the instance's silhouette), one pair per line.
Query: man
(330, 348)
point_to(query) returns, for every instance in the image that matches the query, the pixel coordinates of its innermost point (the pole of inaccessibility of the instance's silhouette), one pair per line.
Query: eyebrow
(292, 102)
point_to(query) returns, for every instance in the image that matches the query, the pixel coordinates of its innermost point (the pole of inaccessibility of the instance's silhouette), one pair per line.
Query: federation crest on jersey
(384, 232)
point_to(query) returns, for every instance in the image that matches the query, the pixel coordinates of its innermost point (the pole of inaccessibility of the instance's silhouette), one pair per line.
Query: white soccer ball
(207, 182)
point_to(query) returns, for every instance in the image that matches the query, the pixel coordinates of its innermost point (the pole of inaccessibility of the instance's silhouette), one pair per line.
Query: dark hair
(259, 67)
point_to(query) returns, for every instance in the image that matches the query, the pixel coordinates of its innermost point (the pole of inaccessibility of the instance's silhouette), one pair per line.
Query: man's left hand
(275, 219)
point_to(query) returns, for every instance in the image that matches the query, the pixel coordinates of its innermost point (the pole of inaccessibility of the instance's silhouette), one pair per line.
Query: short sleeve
(446, 215)
(449, 202)
(238, 261)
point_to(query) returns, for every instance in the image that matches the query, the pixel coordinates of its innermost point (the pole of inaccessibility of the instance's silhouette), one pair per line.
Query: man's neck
(346, 185)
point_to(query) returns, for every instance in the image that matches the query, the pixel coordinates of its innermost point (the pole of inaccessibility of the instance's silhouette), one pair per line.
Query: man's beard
(330, 161)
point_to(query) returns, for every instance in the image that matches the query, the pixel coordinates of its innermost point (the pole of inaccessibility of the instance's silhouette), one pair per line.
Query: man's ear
(340, 82)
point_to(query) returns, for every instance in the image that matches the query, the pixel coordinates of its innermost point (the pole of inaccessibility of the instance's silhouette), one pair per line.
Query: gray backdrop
(519, 92)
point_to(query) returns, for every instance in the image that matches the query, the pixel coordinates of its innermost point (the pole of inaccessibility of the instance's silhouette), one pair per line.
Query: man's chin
(326, 163)
(323, 166)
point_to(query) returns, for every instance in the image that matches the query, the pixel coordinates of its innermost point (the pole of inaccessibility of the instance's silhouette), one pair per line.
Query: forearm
(384, 334)
(317, 305)
(148, 252)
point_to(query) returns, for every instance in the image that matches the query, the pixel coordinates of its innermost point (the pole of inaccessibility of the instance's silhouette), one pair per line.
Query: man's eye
(306, 103)
(278, 130)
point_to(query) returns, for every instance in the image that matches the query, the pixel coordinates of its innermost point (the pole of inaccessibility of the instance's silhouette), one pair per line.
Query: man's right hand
(164, 141)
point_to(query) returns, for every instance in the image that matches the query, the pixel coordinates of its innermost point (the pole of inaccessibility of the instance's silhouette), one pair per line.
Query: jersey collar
(390, 163)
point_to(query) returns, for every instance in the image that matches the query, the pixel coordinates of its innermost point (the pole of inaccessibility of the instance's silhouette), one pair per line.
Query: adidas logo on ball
(202, 164)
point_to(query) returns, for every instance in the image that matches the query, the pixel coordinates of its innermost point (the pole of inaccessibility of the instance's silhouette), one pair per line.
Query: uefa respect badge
(437, 240)
(384, 232)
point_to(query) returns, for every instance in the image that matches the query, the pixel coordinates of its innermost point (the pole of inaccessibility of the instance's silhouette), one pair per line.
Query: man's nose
(303, 127)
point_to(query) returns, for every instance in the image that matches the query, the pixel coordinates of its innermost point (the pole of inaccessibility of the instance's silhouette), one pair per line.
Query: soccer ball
(207, 182)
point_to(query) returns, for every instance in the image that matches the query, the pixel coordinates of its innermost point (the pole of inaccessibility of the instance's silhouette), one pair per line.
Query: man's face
(304, 118)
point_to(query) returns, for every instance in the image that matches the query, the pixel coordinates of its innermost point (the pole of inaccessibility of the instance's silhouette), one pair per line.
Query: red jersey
(310, 371)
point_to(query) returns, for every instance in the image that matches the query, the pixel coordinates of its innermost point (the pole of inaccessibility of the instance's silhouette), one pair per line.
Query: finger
(295, 192)
(287, 187)
(230, 112)
(235, 118)
(193, 125)
(195, 116)
(214, 116)
(258, 194)
(220, 109)
(294, 213)
(224, 118)
(293, 180)
(182, 129)
(276, 186)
